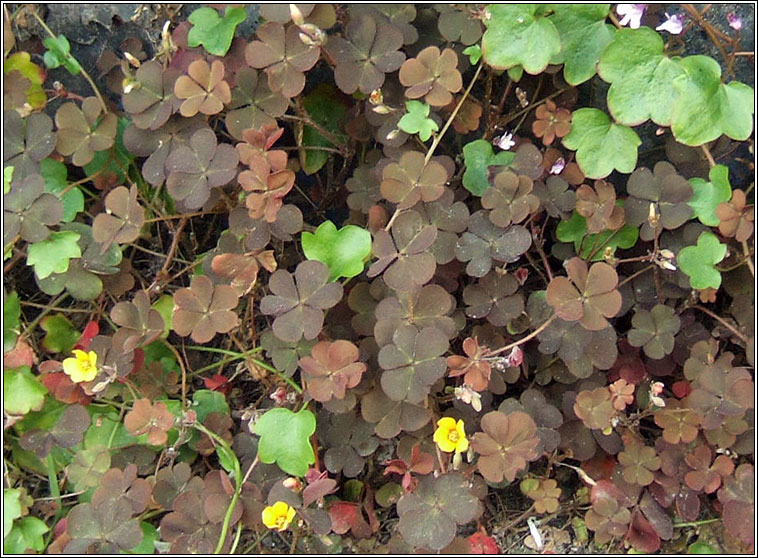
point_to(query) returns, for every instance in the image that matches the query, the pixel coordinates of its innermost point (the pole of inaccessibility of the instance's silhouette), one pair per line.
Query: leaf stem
(748, 259)
(722, 321)
(696, 523)
(237, 472)
(81, 68)
(635, 275)
(52, 306)
(438, 137)
(523, 340)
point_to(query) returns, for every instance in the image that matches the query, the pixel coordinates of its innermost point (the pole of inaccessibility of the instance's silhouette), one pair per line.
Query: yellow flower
(279, 516)
(82, 367)
(450, 436)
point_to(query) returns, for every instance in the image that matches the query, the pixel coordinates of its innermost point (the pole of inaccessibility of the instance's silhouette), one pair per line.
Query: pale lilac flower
(515, 357)
(673, 24)
(505, 142)
(734, 21)
(631, 14)
(558, 166)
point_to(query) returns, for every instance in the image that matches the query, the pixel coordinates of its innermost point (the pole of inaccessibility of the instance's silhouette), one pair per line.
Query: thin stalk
(748, 259)
(52, 306)
(523, 340)
(237, 472)
(438, 137)
(722, 321)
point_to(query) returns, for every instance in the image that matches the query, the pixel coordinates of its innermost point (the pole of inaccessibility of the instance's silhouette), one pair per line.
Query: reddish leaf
(218, 382)
(482, 543)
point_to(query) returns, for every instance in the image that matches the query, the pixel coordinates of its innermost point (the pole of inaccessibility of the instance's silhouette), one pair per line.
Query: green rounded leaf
(707, 108)
(22, 392)
(61, 334)
(584, 35)
(417, 121)
(601, 146)
(59, 54)
(519, 34)
(285, 439)
(52, 255)
(212, 31)
(11, 321)
(698, 262)
(11, 508)
(478, 156)
(343, 251)
(26, 535)
(640, 76)
(575, 230)
(708, 195)
(56, 181)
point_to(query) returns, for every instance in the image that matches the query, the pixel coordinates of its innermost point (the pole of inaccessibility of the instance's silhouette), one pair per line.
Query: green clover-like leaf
(343, 251)
(519, 34)
(7, 179)
(707, 108)
(575, 230)
(58, 54)
(474, 53)
(11, 321)
(56, 181)
(26, 535)
(584, 36)
(22, 392)
(52, 255)
(601, 145)
(640, 76)
(698, 262)
(61, 335)
(285, 439)
(212, 31)
(479, 156)
(417, 121)
(709, 194)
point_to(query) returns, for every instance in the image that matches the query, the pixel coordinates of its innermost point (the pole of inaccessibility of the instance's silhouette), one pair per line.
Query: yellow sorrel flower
(451, 436)
(279, 516)
(82, 367)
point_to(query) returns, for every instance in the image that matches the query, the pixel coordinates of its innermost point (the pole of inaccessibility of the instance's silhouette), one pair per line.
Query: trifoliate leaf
(584, 36)
(708, 195)
(601, 145)
(417, 121)
(21, 391)
(479, 156)
(56, 180)
(707, 108)
(52, 255)
(698, 262)
(519, 34)
(285, 439)
(212, 31)
(59, 54)
(344, 251)
(640, 76)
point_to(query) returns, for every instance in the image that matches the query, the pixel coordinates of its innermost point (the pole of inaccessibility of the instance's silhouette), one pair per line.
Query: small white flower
(505, 142)
(631, 14)
(673, 24)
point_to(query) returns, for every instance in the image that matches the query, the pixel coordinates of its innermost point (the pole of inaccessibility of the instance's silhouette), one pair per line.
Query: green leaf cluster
(212, 31)
(417, 121)
(58, 54)
(343, 251)
(479, 157)
(699, 262)
(574, 230)
(285, 439)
